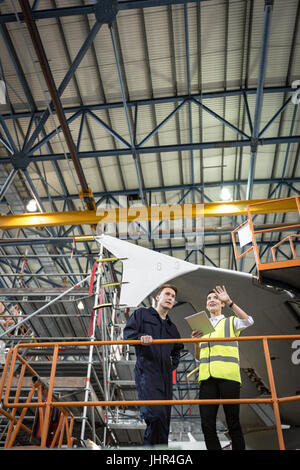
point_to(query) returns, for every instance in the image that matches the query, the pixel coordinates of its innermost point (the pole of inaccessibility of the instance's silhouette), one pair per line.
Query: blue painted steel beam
(7, 183)
(17, 66)
(15, 268)
(49, 13)
(6, 145)
(34, 191)
(48, 137)
(260, 93)
(50, 230)
(281, 109)
(113, 133)
(153, 101)
(69, 240)
(248, 111)
(162, 149)
(35, 5)
(163, 122)
(295, 190)
(134, 151)
(293, 123)
(188, 79)
(151, 134)
(76, 62)
(9, 141)
(82, 120)
(90, 9)
(34, 119)
(133, 4)
(222, 120)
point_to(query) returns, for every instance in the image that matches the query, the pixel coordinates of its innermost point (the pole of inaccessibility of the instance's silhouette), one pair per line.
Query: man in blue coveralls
(155, 362)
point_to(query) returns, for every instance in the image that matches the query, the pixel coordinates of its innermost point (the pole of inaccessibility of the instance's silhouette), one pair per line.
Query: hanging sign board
(245, 235)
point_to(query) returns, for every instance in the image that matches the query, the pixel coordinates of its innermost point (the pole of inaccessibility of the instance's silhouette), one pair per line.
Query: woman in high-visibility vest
(219, 368)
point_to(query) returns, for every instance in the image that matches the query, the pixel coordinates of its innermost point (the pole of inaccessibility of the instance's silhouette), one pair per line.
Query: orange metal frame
(275, 264)
(66, 418)
(49, 403)
(290, 239)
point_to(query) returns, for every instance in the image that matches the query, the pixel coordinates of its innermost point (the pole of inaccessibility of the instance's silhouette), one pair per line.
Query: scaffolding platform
(281, 273)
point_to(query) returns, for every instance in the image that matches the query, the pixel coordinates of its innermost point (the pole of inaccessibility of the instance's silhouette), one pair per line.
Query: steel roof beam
(9, 142)
(69, 75)
(17, 66)
(44, 278)
(65, 241)
(162, 149)
(180, 187)
(78, 113)
(133, 152)
(49, 136)
(33, 110)
(188, 80)
(222, 120)
(7, 183)
(152, 101)
(39, 49)
(260, 93)
(90, 9)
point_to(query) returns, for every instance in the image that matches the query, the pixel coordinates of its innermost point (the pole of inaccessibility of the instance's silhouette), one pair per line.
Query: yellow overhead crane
(134, 213)
(141, 213)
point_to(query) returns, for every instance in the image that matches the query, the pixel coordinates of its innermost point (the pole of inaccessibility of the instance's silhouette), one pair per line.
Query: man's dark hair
(165, 286)
(210, 292)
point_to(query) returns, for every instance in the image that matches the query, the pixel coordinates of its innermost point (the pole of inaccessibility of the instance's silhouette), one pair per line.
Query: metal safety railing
(289, 238)
(276, 206)
(51, 401)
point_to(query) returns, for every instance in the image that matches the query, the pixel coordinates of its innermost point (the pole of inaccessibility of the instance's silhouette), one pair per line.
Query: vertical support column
(45, 427)
(133, 147)
(106, 369)
(188, 78)
(259, 96)
(109, 356)
(273, 394)
(92, 338)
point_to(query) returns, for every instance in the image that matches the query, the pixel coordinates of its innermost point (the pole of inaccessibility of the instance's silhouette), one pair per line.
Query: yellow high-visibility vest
(220, 359)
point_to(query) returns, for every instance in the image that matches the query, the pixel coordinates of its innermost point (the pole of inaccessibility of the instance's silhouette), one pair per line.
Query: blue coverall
(153, 370)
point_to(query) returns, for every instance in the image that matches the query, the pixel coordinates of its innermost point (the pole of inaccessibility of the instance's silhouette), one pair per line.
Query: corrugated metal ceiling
(200, 57)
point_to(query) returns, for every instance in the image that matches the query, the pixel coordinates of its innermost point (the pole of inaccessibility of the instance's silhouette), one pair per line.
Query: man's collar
(218, 317)
(155, 312)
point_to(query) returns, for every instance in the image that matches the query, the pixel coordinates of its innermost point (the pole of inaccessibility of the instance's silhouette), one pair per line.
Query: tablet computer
(200, 321)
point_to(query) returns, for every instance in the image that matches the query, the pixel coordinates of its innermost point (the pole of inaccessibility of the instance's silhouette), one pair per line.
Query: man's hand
(222, 295)
(197, 334)
(146, 340)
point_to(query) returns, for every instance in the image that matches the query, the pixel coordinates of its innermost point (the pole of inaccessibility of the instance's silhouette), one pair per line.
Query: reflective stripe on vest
(220, 359)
